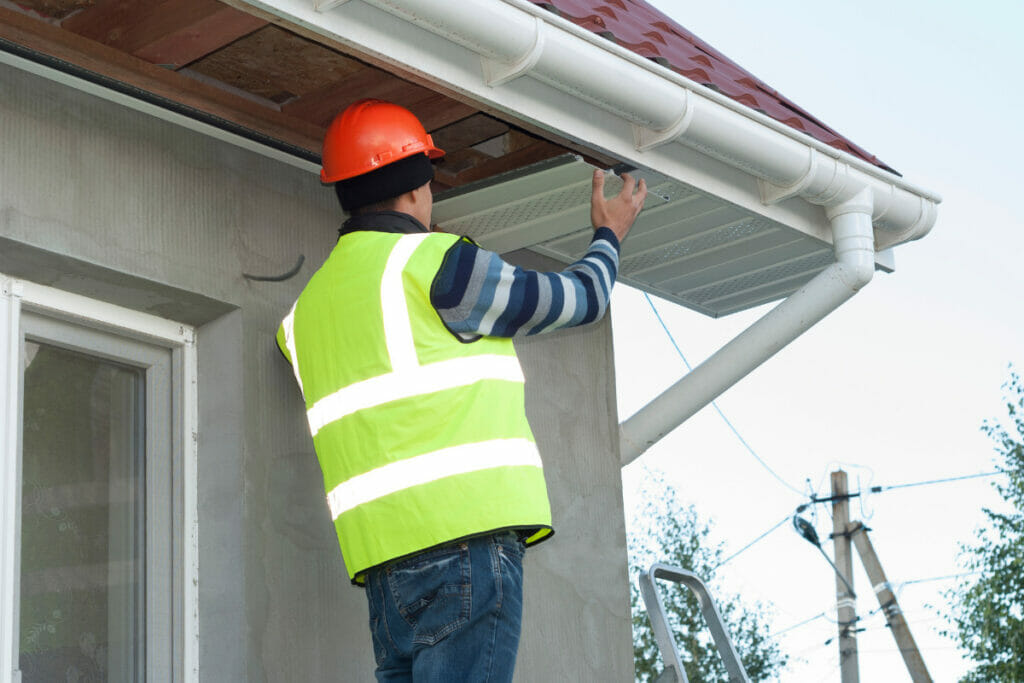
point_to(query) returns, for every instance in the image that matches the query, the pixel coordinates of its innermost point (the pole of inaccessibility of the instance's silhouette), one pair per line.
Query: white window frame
(22, 295)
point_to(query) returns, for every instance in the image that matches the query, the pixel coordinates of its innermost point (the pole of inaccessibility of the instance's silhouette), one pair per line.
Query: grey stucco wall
(104, 201)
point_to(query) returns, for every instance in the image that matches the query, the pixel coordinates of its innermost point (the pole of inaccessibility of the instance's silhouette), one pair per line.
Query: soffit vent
(686, 246)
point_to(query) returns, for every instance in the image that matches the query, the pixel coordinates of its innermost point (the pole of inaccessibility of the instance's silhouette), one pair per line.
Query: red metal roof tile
(639, 27)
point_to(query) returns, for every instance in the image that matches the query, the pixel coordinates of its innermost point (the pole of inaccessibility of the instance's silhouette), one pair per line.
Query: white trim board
(17, 296)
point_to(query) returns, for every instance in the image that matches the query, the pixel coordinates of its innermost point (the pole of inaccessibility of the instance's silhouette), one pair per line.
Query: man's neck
(382, 221)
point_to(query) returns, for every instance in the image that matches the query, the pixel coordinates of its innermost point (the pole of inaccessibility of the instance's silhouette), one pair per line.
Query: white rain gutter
(514, 39)
(853, 242)
(512, 56)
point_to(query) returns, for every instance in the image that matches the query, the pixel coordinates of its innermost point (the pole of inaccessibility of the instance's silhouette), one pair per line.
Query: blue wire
(715, 405)
(741, 550)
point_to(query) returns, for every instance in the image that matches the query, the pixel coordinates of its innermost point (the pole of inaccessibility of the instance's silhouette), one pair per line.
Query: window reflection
(82, 523)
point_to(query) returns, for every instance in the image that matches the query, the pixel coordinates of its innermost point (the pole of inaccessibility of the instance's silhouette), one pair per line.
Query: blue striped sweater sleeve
(476, 293)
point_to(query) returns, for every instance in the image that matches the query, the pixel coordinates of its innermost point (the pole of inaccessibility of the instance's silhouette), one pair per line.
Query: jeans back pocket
(432, 591)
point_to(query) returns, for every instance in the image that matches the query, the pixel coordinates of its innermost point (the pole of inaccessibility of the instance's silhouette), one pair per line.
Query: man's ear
(423, 192)
(406, 202)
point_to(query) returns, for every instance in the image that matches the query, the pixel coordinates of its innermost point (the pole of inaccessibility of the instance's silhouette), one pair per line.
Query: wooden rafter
(172, 33)
(469, 131)
(106, 61)
(433, 109)
(232, 63)
(483, 166)
(197, 40)
(277, 65)
(55, 9)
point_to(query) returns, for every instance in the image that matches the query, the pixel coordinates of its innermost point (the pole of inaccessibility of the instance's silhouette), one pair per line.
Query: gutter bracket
(773, 194)
(498, 73)
(645, 138)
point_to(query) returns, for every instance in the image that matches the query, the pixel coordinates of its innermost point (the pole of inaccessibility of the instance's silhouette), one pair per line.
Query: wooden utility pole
(849, 669)
(891, 609)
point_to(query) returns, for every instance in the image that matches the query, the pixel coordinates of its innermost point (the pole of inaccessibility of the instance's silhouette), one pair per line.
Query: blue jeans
(449, 614)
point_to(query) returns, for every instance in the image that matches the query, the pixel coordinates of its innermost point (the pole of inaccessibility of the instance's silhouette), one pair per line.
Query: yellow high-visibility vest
(422, 439)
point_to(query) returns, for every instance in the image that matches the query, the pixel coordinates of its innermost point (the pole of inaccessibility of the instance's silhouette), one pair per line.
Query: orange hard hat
(370, 134)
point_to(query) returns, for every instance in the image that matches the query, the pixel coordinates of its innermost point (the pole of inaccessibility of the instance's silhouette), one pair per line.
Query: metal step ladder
(674, 672)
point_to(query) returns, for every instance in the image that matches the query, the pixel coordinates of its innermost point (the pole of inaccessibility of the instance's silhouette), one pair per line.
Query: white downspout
(853, 242)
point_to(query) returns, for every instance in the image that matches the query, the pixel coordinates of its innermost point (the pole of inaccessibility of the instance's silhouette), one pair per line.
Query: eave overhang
(517, 61)
(738, 213)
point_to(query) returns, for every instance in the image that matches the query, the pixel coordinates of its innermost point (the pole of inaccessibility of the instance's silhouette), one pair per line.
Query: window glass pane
(82, 518)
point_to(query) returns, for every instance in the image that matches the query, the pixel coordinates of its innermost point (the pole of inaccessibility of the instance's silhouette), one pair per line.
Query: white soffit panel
(687, 246)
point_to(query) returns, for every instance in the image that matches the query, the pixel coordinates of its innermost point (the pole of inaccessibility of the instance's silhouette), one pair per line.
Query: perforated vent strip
(762, 278)
(521, 212)
(694, 245)
(535, 208)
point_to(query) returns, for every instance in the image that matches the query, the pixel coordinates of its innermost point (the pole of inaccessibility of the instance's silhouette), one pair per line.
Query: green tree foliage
(988, 608)
(664, 530)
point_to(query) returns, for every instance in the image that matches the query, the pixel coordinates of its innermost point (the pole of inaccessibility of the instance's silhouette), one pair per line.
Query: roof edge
(709, 94)
(505, 52)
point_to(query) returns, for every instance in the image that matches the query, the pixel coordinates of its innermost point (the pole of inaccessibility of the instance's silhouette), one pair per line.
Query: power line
(774, 527)
(883, 489)
(719, 410)
(819, 615)
(939, 578)
(868, 628)
(933, 648)
(879, 489)
(915, 613)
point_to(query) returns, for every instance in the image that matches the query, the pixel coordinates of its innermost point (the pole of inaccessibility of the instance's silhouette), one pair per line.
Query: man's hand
(619, 212)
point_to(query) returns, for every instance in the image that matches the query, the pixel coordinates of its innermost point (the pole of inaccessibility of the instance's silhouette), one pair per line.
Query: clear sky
(894, 384)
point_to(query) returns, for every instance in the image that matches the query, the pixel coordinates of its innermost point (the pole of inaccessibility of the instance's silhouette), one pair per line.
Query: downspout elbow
(854, 246)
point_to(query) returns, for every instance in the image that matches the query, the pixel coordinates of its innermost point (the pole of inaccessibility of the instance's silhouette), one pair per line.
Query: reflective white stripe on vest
(289, 343)
(397, 328)
(423, 469)
(421, 379)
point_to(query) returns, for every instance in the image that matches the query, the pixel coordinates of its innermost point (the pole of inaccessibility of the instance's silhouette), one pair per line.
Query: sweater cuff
(606, 234)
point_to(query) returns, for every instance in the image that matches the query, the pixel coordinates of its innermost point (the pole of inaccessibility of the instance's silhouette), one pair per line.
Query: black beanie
(385, 182)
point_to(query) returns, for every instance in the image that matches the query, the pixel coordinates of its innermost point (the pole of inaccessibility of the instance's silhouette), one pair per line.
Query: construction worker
(401, 346)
